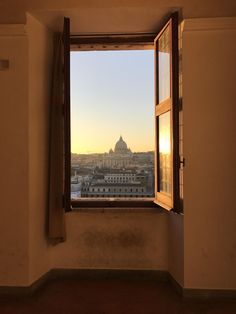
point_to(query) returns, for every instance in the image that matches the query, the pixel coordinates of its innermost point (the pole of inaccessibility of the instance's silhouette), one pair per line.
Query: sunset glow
(164, 133)
(112, 95)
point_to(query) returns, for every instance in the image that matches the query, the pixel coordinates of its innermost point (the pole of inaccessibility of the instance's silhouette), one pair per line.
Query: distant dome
(111, 151)
(121, 147)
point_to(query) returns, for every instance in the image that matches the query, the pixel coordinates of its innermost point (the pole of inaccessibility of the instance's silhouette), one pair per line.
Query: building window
(166, 156)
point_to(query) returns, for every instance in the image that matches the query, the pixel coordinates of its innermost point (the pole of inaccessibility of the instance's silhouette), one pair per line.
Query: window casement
(167, 116)
(166, 110)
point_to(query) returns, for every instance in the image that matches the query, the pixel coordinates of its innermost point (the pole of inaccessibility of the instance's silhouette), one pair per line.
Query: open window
(167, 116)
(166, 157)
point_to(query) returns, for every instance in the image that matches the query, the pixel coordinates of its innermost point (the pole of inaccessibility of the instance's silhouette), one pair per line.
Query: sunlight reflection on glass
(164, 153)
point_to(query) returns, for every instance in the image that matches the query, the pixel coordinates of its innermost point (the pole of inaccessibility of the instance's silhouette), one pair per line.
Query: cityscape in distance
(112, 124)
(119, 173)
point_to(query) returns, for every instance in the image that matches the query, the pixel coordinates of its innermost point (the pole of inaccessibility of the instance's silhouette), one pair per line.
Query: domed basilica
(121, 147)
(121, 157)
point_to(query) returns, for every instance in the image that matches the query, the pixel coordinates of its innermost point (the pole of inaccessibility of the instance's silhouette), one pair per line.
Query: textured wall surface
(14, 181)
(209, 94)
(113, 240)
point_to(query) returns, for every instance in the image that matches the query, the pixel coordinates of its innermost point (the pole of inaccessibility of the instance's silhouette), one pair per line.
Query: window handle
(182, 162)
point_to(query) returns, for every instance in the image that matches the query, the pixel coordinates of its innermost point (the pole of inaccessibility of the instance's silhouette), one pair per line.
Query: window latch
(182, 162)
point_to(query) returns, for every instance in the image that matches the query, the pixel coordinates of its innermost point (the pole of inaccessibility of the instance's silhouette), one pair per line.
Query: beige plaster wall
(40, 55)
(113, 241)
(209, 94)
(14, 181)
(25, 90)
(176, 247)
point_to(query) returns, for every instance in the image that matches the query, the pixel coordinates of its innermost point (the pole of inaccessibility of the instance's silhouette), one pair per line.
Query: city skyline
(112, 147)
(111, 96)
(118, 173)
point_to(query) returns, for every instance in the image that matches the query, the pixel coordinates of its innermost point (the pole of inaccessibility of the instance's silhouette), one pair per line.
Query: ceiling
(110, 16)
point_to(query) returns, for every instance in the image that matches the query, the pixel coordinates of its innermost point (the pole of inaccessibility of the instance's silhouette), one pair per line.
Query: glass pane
(165, 168)
(164, 65)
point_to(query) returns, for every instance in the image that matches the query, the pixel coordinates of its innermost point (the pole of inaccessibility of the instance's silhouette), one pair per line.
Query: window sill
(116, 206)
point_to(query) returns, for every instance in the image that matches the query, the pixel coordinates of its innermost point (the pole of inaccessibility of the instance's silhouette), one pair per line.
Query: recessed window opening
(112, 124)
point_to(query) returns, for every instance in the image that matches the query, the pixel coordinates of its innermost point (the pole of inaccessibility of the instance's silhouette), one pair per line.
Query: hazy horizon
(112, 94)
(93, 153)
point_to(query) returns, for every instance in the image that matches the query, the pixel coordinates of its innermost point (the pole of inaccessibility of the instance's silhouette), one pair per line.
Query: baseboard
(14, 290)
(39, 283)
(116, 274)
(188, 293)
(177, 287)
(26, 290)
(208, 293)
(85, 274)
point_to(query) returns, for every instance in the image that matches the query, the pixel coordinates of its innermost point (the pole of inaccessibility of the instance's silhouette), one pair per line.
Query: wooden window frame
(171, 105)
(114, 42)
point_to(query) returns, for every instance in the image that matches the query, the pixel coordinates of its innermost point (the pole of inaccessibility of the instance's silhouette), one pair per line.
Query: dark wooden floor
(111, 297)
